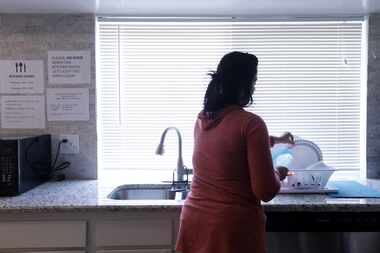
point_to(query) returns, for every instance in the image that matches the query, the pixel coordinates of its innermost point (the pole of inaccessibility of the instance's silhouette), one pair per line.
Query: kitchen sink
(146, 192)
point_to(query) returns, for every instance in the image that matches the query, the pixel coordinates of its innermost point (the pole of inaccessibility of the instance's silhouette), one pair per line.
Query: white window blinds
(152, 75)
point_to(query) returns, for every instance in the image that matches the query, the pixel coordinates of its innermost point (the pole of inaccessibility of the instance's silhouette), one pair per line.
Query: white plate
(318, 166)
(304, 153)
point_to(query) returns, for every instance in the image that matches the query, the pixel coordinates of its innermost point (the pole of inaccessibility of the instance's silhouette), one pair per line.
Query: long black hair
(232, 83)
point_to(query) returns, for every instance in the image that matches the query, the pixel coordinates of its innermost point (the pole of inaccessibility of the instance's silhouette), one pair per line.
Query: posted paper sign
(68, 104)
(23, 112)
(22, 76)
(69, 67)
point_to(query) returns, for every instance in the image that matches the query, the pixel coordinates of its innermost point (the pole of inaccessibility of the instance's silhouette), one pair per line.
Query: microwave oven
(25, 162)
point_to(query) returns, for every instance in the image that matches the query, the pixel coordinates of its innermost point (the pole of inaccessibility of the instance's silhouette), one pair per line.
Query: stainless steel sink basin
(146, 192)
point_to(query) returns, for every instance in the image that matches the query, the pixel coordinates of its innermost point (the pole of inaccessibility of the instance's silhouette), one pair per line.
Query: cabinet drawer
(42, 234)
(134, 233)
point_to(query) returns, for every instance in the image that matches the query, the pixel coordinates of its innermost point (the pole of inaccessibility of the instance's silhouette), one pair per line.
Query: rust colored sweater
(233, 173)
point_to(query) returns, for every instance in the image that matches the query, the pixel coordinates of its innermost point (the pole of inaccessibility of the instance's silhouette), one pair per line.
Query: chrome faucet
(181, 169)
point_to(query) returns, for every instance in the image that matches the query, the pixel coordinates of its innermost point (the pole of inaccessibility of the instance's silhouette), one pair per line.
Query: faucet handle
(189, 171)
(182, 183)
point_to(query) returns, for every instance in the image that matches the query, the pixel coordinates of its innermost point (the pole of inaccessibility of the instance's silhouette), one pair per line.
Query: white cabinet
(135, 235)
(137, 251)
(107, 232)
(64, 251)
(43, 234)
(140, 232)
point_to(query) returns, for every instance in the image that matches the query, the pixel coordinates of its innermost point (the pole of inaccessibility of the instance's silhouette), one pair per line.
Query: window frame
(363, 124)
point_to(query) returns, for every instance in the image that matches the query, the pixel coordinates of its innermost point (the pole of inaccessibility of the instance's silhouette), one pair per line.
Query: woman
(233, 170)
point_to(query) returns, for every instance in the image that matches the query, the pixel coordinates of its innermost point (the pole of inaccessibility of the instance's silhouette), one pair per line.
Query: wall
(373, 98)
(29, 37)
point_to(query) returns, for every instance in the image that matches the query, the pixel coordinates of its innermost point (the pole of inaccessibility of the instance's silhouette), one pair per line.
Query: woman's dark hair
(232, 83)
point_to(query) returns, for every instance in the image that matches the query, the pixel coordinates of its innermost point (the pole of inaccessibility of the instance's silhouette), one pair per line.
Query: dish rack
(304, 160)
(308, 178)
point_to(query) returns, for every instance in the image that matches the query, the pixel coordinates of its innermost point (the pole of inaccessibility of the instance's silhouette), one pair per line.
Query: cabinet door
(42, 234)
(154, 233)
(61, 251)
(136, 251)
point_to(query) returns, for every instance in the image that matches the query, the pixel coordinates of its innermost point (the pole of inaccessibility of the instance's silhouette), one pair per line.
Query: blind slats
(153, 75)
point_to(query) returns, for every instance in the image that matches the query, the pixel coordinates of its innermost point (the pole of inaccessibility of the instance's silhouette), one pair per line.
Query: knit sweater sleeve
(265, 182)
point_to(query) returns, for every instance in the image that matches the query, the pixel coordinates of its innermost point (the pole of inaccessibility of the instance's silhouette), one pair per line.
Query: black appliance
(25, 162)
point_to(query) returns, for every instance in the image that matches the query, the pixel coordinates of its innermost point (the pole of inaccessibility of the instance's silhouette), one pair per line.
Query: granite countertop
(91, 195)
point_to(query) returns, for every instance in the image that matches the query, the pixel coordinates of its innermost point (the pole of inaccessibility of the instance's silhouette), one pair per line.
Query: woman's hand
(286, 138)
(282, 171)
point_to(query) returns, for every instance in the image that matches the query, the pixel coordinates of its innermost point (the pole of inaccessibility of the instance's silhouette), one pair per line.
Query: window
(153, 74)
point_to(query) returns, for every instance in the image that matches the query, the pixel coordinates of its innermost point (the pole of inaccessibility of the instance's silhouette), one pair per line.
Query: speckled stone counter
(91, 195)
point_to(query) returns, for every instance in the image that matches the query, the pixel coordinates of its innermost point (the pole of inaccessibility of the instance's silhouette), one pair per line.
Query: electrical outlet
(72, 144)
